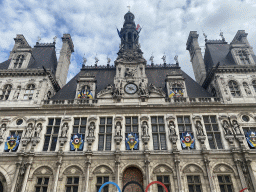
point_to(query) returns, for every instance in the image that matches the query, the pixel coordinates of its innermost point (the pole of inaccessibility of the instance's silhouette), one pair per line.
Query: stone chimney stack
(64, 59)
(196, 57)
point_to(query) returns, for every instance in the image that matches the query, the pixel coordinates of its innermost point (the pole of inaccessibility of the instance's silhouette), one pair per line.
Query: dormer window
(244, 57)
(85, 93)
(176, 89)
(18, 61)
(29, 92)
(6, 92)
(234, 88)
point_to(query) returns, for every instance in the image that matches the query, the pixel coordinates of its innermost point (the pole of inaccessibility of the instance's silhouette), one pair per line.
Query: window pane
(159, 178)
(208, 127)
(166, 179)
(108, 142)
(46, 181)
(189, 179)
(101, 142)
(76, 180)
(128, 120)
(57, 121)
(82, 129)
(46, 143)
(196, 179)
(188, 128)
(206, 119)
(227, 179)
(155, 142)
(54, 142)
(218, 140)
(83, 121)
(102, 121)
(229, 188)
(68, 189)
(222, 188)
(213, 119)
(220, 179)
(215, 127)
(102, 129)
(161, 128)
(154, 128)
(37, 189)
(106, 179)
(134, 120)
(69, 180)
(39, 181)
(180, 120)
(128, 129)
(56, 130)
(51, 121)
(76, 121)
(44, 189)
(49, 130)
(109, 120)
(198, 188)
(109, 129)
(160, 120)
(153, 120)
(181, 128)
(75, 189)
(163, 141)
(75, 129)
(190, 187)
(99, 180)
(135, 128)
(187, 120)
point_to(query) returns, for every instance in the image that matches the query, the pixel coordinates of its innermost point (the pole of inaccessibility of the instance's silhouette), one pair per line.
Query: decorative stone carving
(199, 128)
(145, 128)
(236, 127)
(118, 128)
(130, 73)
(143, 90)
(38, 130)
(29, 131)
(154, 89)
(118, 131)
(108, 90)
(227, 128)
(64, 130)
(192, 169)
(118, 89)
(162, 169)
(102, 170)
(43, 171)
(222, 168)
(91, 129)
(91, 138)
(2, 130)
(73, 170)
(172, 128)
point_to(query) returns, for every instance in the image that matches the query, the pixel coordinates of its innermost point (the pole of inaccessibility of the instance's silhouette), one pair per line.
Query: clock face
(131, 88)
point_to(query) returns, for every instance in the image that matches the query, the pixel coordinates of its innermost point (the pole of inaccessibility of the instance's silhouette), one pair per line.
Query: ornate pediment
(102, 170)
(162, 169)
(222, 169)
(108, 91)
(192, 169)
(43, 171)
(73, 170)
(156, 90)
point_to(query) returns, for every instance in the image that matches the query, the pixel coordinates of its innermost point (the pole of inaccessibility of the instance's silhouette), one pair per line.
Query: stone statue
(152, 59)
(38, 130)
(172, 128)
(108, 60)
(17, 93)
(227, 128)
(164, 58)
(118, 87)
(176, 59)
(143, 88)
(129, 73)
(64, 130)
(2, 130)
(96, 60)
(236, 127)
(199, 128)
(145, 128)
(247, 89)
(118, 128)
(29, 130)
(91, 129)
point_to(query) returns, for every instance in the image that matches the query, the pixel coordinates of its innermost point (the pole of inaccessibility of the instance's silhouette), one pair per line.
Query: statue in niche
(91, 129)
(64, 130)
(118, 128)
(143, 88)
(38, 130)
(29, 130)
(2, 130)
(199, 128)
(17, 93)
(129, 73)
(145, 128)
(118, 88)
(172, 128)
(236, 127)
(227, 128)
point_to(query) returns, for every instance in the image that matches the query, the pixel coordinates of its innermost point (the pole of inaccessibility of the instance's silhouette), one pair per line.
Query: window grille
(194, 183)
(42, 184)
(165, 180)
(6, 92)
(158, 132)
(51, 136)
(101, 180)
(234, 88)
(225, 183)
(29, 92)
(72, 184)
(18, 62)
(244, 57)
(105, 133)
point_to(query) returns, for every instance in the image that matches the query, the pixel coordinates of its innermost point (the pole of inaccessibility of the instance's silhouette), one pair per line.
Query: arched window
(6, 92)
(254, 85)
(129, 37)
(246, 88)
(234, 88)
(18, 62)
(29, 92)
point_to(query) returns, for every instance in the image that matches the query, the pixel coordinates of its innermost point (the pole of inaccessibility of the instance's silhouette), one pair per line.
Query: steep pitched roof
(105, 76)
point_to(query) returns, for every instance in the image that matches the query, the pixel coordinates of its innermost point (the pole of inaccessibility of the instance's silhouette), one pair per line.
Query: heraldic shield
(132, 141)
(251, 138)
(12, 143)
(76, 142)
(187, 140)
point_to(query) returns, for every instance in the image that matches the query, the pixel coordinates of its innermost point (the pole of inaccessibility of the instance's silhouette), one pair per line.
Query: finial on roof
(96, 60)
(108, 60)
(54, 39)
(152, 59)
(164, 58)
(205, 36)
(176, 59)
(221, 34)
(84, 61)
(129, 7)
(39, 38)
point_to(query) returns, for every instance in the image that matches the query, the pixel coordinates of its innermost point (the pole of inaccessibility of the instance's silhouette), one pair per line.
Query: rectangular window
(131, 126)
(165, 180)
(225, 183)
(158, 133)
(213, 132)
(79, 127)
(72, 184)
(194, 183)
(100, 181)
(51, 136)
(184, 124)
(105, 133)
(42, 184)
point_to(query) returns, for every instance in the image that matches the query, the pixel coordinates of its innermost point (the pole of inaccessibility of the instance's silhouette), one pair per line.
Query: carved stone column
(87, 164)
(147, 162)
(248, 163)
(117, 168)
(24, 183)
(17, 171)
(56, 179)
(177, 169)
(240, 173)
(209, 174)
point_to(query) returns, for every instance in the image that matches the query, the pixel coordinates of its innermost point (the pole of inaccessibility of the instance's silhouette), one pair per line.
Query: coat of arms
(251, 138)
(132, 141)
(12, 142)
(76, 142)
(187, 140)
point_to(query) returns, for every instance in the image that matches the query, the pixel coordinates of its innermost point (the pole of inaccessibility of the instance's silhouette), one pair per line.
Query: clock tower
(130, 81)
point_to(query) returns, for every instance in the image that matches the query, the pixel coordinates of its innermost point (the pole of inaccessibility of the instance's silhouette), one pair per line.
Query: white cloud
(166, 25)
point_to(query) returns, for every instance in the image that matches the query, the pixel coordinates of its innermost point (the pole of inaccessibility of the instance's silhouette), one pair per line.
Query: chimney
(64, 59)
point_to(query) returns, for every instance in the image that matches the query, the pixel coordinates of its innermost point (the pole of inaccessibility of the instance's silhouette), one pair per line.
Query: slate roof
(42, 55)
(105, 76)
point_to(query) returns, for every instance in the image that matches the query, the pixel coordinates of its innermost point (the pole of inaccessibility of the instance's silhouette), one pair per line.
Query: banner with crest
(132, 141)
(251, 138)
(12, 143)
(76, 142)
(187, 140)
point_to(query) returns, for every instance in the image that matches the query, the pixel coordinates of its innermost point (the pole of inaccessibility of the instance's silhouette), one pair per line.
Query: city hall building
(130, 123)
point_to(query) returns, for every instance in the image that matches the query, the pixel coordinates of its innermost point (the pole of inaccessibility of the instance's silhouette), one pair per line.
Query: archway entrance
(135, 175)
(1, 186)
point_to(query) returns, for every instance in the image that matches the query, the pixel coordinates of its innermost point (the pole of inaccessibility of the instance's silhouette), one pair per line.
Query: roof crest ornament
(54, 39)
(164, 58)
(221, 34)
(205, 36)
(176, 59)
(152, 59)
(108, 60)
(96, 60)
(39, 38)
(84, 61)
(129, 7)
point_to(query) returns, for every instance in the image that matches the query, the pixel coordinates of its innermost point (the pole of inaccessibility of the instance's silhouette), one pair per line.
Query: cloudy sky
(92, 25)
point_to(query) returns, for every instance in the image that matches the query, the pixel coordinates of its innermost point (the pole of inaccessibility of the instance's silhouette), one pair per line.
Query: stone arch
(223, 168)
(7, 178)
(162, 168)
(133, 165)
(132, 179)
(69, 170)
(103, 168)
(19, 117)
(40, 168)
(193, 167)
